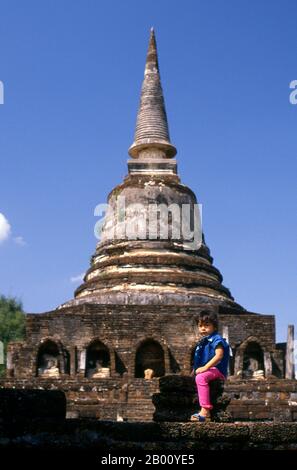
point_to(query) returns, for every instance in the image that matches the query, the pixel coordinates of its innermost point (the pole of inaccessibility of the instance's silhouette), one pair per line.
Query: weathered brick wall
(263, 400)
(98, 398)
(123, 328)
(132, 401)
(245, 325)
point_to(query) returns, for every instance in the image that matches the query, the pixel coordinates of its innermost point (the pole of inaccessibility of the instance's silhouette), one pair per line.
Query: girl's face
(205, 328)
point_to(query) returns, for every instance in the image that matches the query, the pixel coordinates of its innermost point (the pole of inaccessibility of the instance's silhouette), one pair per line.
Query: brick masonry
(123, 330)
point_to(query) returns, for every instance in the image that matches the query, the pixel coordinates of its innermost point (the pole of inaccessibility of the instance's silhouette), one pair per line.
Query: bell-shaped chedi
(151, 249)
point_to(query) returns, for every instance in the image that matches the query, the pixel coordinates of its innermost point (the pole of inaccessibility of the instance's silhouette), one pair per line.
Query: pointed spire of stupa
(151, 125)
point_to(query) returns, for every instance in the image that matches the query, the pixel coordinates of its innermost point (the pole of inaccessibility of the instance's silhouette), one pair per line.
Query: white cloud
(5, 228)
(78, 278)
(19, 241)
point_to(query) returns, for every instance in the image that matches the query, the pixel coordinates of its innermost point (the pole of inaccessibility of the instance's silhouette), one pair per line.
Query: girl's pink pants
(202, 382)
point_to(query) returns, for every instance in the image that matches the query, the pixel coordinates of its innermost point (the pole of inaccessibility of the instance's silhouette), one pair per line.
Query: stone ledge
(107, 435)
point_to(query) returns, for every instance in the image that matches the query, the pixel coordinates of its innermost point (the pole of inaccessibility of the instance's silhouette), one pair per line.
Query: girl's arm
(219, 354)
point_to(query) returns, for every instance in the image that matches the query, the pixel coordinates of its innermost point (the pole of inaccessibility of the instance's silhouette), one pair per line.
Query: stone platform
(111, 399)
(104, 436)
(29, 431)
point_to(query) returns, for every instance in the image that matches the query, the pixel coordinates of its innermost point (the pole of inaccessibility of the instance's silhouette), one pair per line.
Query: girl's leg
(202, 382)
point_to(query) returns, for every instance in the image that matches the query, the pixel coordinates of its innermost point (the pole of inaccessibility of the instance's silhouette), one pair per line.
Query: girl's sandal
(200, 419)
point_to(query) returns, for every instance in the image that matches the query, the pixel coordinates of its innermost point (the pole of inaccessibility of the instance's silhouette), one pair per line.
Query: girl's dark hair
(209, 317)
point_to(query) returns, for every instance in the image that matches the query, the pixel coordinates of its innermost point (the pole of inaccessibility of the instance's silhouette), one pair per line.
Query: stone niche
(97, 361)
(149, 360)
(52, 360)
(253, 361)
(48, 364)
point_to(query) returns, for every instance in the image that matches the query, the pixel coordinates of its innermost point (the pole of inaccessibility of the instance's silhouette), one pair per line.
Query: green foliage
(12, 322)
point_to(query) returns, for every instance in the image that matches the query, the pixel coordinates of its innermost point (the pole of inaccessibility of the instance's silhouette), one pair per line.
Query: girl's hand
(201, 369)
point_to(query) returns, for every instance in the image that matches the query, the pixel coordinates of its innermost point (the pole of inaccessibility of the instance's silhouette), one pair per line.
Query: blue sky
(72, 73)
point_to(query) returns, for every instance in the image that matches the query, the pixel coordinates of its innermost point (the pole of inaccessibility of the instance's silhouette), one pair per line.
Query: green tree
(12, 323)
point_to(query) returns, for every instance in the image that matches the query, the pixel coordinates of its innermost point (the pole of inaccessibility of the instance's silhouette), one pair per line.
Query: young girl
(210, 361)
